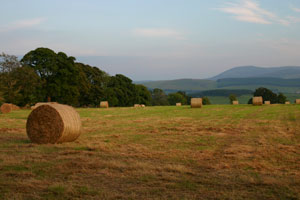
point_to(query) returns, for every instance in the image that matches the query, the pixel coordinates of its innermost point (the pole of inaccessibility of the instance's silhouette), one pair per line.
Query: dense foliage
(268, 95)
(232, 98)
(43, 75)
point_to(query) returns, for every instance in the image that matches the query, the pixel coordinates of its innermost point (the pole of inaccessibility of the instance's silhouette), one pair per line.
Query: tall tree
(58, 73)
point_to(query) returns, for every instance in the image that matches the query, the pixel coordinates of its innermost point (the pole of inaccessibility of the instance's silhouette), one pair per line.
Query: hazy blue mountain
(182, 84)
(289, 72)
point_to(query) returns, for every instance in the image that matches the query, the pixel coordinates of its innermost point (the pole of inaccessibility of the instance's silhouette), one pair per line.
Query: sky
(157, 39)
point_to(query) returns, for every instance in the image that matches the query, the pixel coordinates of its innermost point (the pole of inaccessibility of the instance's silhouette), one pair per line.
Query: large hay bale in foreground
(40, 104)
(267, 102)
(257, 101)
(104, 104)
(287, 102)
(53, 123)
(6, 108)
(297, 101)
(235, 102)
(178, 104)
(196, 102)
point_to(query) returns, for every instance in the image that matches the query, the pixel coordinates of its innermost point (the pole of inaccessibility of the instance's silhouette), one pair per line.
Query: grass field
(217, 152)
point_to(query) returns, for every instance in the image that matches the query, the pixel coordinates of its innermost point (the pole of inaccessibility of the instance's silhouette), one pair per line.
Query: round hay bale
(6, 108)
(257, 101)
(104, 104)
(142, 105)
(196, 102)
(267, 102)
(297, 101)
(287, 102)
(136, 105)
(178, 104)
(53, 123)
(235, 102)
(40, 104)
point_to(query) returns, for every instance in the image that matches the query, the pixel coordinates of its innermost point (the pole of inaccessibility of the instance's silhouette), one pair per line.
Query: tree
(232, 98)
(266, 94)
(177, 97)
(120, 91)
(159, 98)
(29, 85)
(58, 73)
(205, 101)
(93, 83)
(281, 98)
(8, 87)
(142, 95)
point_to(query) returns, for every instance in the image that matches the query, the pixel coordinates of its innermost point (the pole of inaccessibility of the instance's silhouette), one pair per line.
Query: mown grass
(216, 152)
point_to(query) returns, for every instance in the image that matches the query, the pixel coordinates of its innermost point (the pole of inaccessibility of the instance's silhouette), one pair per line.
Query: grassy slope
(217, 152)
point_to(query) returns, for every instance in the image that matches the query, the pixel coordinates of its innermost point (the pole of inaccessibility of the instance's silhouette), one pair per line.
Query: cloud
(21, 24)
(295, 9)
(250, 11)
(158, 32)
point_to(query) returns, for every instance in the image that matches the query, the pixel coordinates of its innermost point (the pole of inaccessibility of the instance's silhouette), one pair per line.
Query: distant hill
(182, 84)
(289, 72)
(278, 79)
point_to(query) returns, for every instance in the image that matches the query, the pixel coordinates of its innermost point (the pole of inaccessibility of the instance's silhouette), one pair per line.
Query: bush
(205, 101)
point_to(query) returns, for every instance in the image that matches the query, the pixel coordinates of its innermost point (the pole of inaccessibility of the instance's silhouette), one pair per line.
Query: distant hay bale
(178, 104)
(53, 123)
(235, 102)
(287, 102)
(41, 103)
(297, 101)
(196, 102)
(142, 105)
(257, 101)
(136, 105)
(104, 104)
(267, 102)
(6, 108)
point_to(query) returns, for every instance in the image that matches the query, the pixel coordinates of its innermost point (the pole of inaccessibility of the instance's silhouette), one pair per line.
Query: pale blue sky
(157, 39)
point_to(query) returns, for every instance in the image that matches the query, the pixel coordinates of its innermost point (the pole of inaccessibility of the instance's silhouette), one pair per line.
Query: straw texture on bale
(178, 104)
(196, 102)
(104, 104)
(53, 123)
(267, 102)
(287, 102)
(40, 104)
(257, 101)
(297, 101)
(235, 102)
(6, 108)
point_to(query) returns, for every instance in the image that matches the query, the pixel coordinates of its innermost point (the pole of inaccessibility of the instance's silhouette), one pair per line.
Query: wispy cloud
(295, 8)
(251, 11)
(24, 23)
(158, 32)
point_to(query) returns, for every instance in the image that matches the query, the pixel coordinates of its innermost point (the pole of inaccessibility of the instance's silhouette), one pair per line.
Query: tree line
(43, 75)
